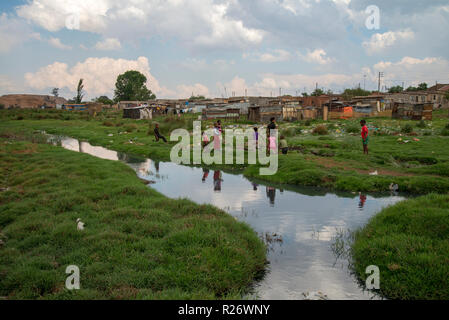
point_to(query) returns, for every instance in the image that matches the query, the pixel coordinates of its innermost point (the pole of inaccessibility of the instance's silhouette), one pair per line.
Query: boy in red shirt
(365, 136)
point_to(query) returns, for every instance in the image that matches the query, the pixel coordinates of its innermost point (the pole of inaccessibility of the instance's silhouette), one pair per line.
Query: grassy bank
(408, 153)
(409, 242)
(136, 244)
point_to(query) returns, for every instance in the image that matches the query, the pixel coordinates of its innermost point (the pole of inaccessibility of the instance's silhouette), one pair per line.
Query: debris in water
(315, 296)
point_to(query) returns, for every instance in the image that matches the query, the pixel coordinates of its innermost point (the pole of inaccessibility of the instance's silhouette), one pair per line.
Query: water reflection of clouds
(307, 223)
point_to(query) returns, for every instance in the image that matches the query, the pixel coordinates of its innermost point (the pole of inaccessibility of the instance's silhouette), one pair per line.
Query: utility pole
(280, 92)
(364, 82)
(381, 75)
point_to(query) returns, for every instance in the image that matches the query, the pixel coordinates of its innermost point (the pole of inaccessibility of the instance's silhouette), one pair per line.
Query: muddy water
(300, 225)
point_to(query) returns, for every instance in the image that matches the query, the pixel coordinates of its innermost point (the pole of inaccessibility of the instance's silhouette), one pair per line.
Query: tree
(396, 89)
(55, 92)
(447, 95)
(305, 94)
(193, 98)
(131, 86)
(317, 93)
(103, 100)
(422, 86)
(80, 92)
(348, 94)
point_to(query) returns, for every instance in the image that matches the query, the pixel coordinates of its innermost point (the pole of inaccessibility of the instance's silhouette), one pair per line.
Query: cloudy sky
(205, 46)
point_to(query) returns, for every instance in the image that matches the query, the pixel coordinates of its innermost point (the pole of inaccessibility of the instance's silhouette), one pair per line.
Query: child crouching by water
(283, 145)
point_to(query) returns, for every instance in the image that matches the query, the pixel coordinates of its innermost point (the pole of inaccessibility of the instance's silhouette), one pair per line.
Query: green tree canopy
(317, 93)
(348, 94)
(103, 100)
(131, 86)
(395, 89)
(193, 98)
(420, 87)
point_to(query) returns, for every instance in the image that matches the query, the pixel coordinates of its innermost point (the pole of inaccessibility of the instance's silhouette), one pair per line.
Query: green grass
(136, 243)
(418, 167)
(409, 242)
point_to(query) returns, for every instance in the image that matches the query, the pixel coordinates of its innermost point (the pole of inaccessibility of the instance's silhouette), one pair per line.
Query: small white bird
(80, 225)
(375, 173)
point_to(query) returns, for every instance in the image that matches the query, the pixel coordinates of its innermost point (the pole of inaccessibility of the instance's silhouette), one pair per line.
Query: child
(283, 145)
(256, 135)
(365, 136)
(205, 139)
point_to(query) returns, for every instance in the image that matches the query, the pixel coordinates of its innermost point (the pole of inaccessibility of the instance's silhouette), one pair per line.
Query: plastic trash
(80, 224)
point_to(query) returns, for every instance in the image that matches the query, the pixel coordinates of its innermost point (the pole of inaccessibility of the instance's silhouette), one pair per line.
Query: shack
(289, 113)
(143, 112)
(412, 111)
(264, 114)
(74, 107)
(308, 113)
(220, 112)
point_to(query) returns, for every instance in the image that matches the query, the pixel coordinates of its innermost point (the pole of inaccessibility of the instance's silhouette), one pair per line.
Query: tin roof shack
(75, 107)
(264, 114)
(338, 110)
(138, 113)
(290, 113)
(376, 101)
(220, 112)
(412, 111)
(309, 113)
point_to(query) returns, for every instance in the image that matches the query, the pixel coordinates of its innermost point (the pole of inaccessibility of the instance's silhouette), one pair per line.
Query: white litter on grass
(394, 187)
(110, 135)
(375, 173)
(80, 224)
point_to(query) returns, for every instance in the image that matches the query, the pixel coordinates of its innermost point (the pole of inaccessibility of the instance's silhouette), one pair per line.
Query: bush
(108, 124)
(320, 130)
(445, 132)
(353, 129)
(2, 106)
(447, 126)
(308, 123)
(290, 132)
(130, 127)
(408, 128)
(422, 124)
(298, 130)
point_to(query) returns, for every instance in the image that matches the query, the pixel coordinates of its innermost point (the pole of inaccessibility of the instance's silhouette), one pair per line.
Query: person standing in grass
(283, 145)
(365, 136)
(271, 139)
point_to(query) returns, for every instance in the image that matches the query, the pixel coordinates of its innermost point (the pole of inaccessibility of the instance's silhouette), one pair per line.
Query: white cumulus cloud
(56, 42)
(99, 74)
(317, 56)
(108, 44)
(381, 41)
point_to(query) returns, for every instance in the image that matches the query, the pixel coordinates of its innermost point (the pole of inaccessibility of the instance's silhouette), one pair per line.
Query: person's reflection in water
(205, 174)
(217, 181)
(255, 186)
(156, 165)
(271, 194)
(281, 191)
(362, 201)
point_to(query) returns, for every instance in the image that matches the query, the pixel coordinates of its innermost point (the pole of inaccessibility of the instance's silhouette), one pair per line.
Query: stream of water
(299, 225)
